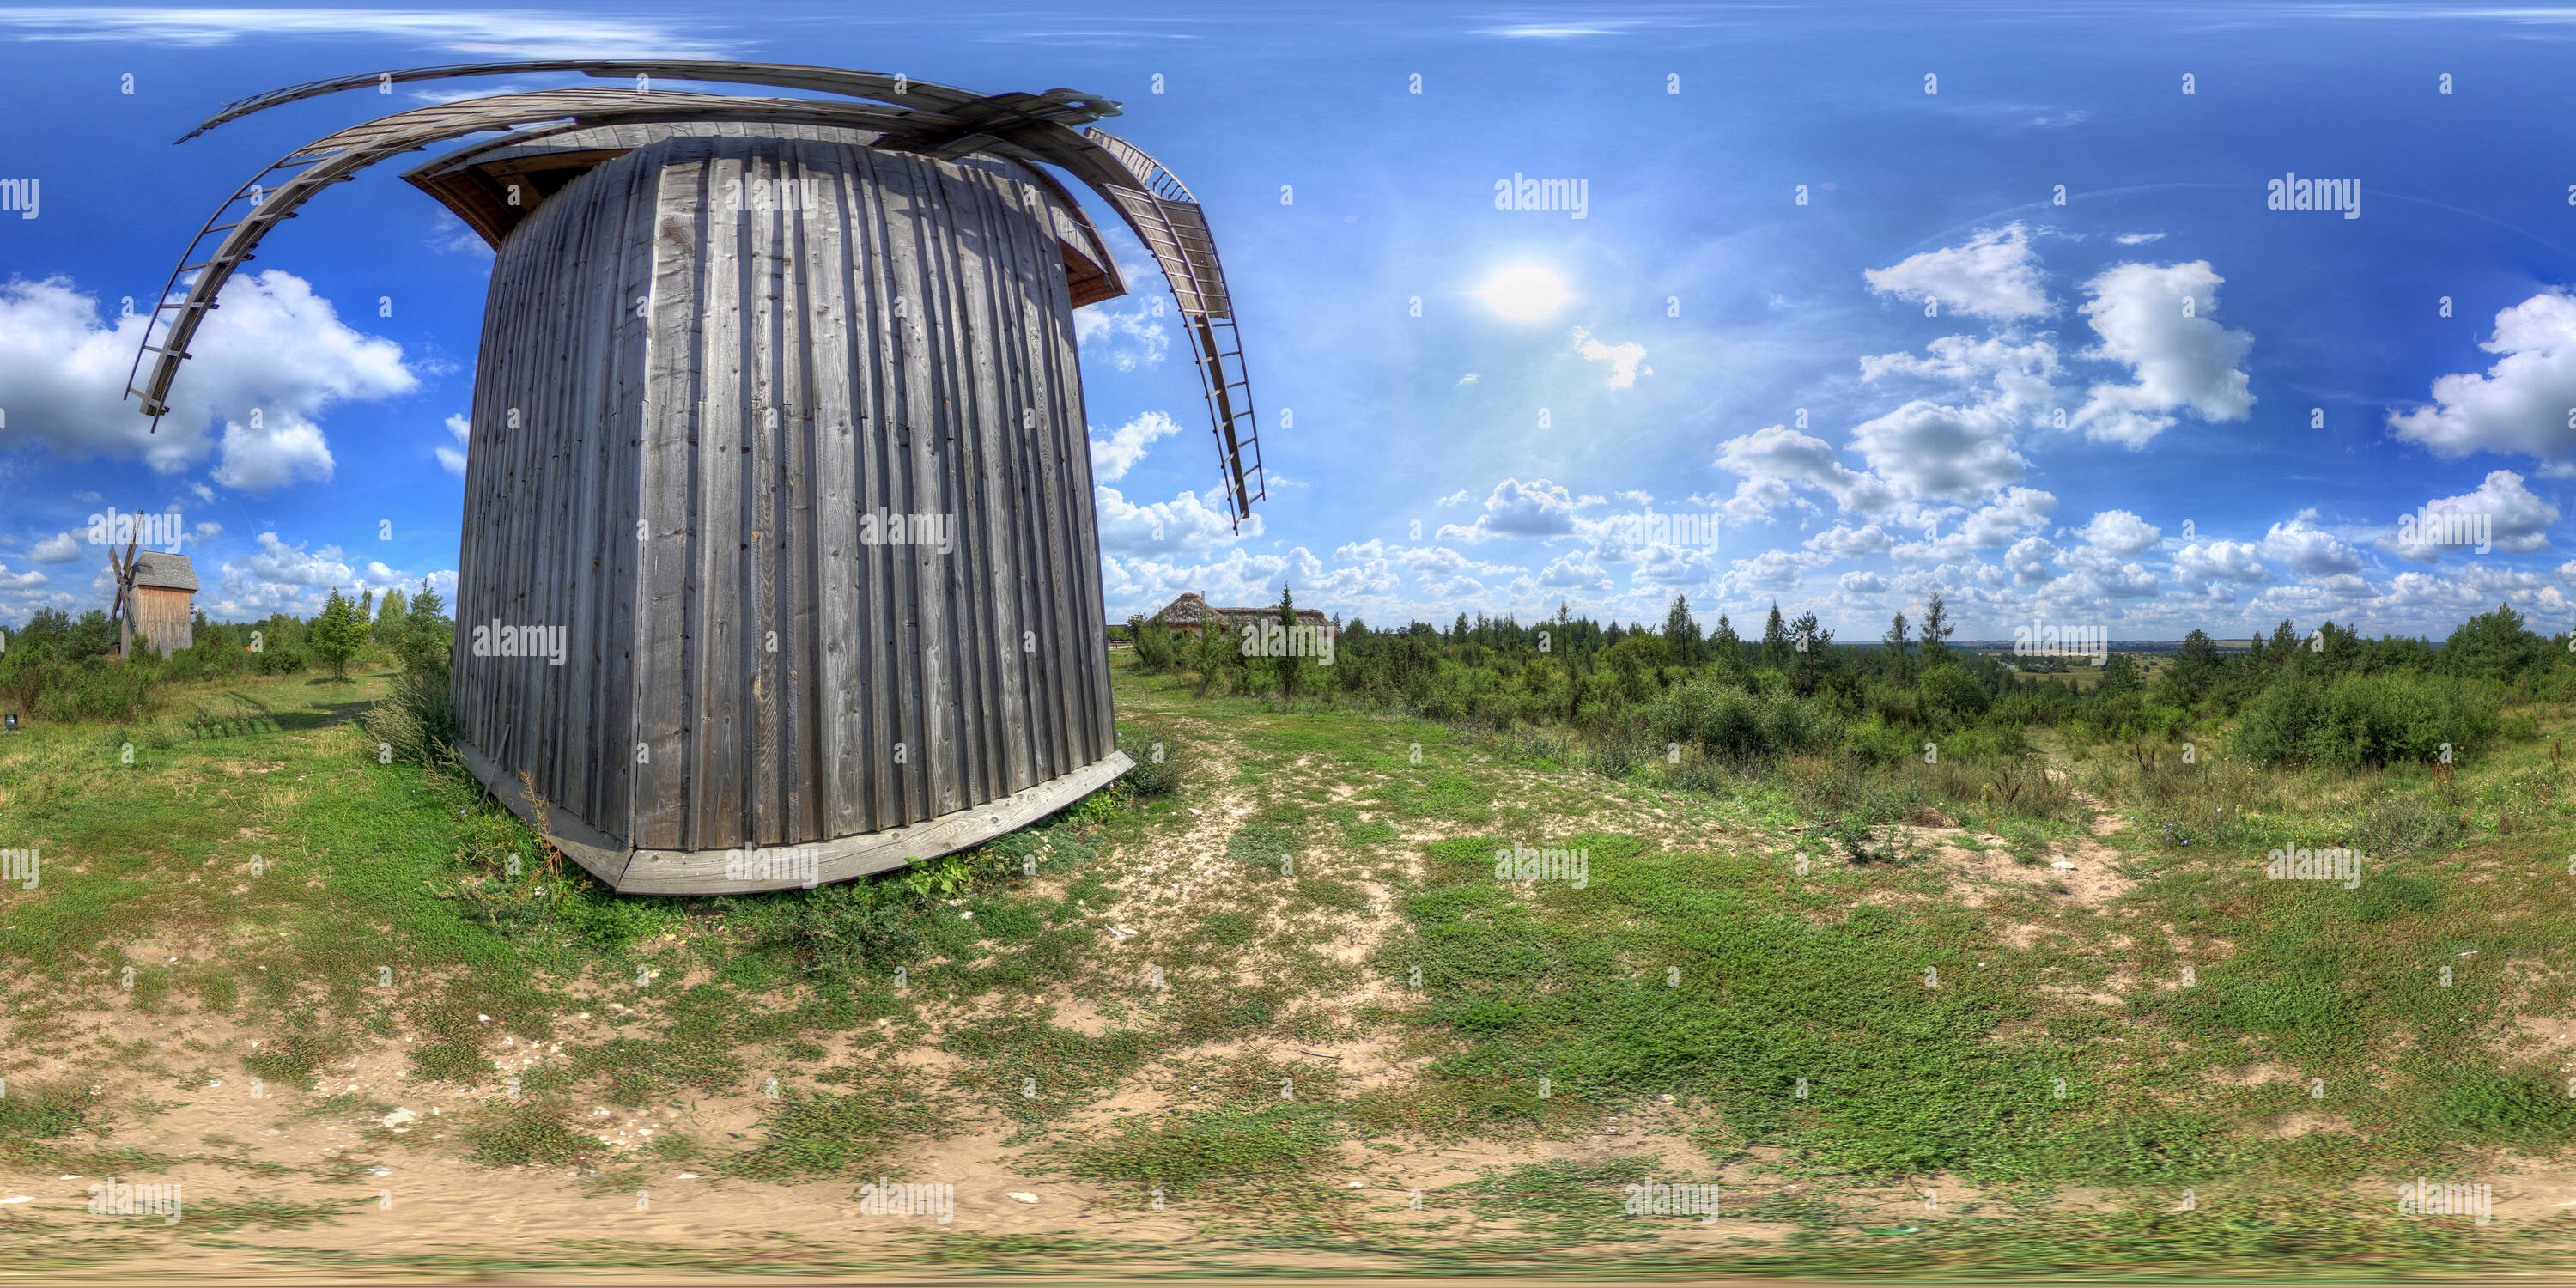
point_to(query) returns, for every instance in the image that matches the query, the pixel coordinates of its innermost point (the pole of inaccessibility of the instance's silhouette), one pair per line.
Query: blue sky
(1931, 374)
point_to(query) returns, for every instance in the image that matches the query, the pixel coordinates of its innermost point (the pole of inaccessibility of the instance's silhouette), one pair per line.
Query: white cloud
(2178, 361)
(1537, 508)
(1665, 565)
(451, 456)
(1239, 579)
(1185, 524)
(1845, 542)
(2138, 239)
(21, 580)
(264, 459)
(2017, 511)
(1574, 570)
(1773, 571)
(1862, 583)
(1128, 338)
(2121, 533)
(275, 348)
(62, 547)
(1623, 358)
(2099, 574)
(295, 566)
(1113, 456)
(2520, 404)
(1791, 457)
(2517, 521)
(2236, 561)
(1429, 562)
(1454, 498)
(1756, 500)
(448, 234)
(1635, 497)
(1991, 275)
(2020, 371)
(1467, 379)
(2313, 551)
(2030, 561)
(1927, 451)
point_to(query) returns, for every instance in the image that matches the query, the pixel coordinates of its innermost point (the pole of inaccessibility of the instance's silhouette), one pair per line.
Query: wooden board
(713, 391)
(632, 871)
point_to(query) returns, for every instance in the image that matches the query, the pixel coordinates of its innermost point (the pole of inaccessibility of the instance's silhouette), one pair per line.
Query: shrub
(1713, 714)
(1153, 642)
(856, 928)
(1618, 758)
(416, 722)
(2354, 721)
(1950, 697)
(96, 689)
(1162, 763)
(338, 634)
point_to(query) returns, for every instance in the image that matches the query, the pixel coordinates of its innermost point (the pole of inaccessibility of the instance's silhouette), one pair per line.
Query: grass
(2029, 1047)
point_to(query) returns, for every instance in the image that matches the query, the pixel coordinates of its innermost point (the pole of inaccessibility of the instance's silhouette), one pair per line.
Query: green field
(1282, 1012)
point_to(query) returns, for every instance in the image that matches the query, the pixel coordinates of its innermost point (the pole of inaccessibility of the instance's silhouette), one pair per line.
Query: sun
(1526, 292)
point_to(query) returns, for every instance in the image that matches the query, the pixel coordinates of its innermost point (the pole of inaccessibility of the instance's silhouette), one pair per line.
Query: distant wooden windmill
(778, 530)
(123, 569)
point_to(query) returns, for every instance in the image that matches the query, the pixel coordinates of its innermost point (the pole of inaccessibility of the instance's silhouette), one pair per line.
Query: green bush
(855, 928)
(1153, 642)
(416, 722)
(1874, 742)
(1162, 763)
(1950, 697)
(2352, 721)
(1713, 714)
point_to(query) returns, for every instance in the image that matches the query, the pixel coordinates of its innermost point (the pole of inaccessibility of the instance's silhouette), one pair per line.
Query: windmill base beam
(684, 872)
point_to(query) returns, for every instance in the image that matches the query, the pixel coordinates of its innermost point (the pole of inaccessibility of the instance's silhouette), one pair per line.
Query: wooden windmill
(123, 569)
(779, 561)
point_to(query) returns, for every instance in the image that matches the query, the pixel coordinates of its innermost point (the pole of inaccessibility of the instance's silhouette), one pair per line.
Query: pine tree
(1286, 662)
(336, 634)
(1775, 642)
(391, 611)
(1898, 638)
(2119, 675)
(1936, 631)
(1723, 643)
(426, 636)
(1681, 634)
(1807, 659)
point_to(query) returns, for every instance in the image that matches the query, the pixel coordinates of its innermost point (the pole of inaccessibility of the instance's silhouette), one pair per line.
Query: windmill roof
(166, 571)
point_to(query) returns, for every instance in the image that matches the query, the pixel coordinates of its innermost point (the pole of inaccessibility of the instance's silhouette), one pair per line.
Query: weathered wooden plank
(664, 685)
(716, 595)
(615, 553)
(665, 872)
(836, 637)
(765, 255)
(882, 628)
(902, 347)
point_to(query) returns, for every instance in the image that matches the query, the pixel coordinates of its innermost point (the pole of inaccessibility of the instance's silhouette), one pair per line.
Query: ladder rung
(154, 348)
(225, 228)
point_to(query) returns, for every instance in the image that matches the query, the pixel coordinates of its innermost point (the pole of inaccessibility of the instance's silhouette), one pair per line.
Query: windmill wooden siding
(691, 399)
(165, 588)
(904, 345)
